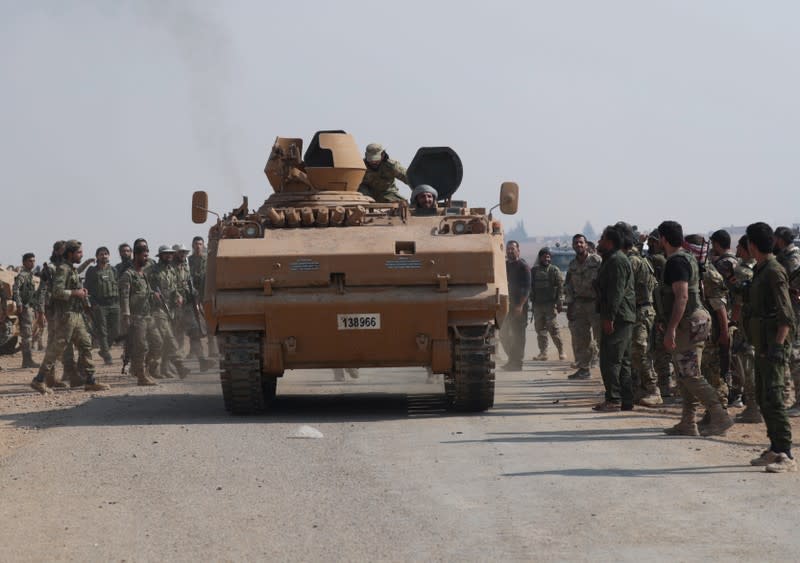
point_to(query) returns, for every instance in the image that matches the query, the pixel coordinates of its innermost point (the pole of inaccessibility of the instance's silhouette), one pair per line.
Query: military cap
(72, 245)
(165, 249)
(179, 248)
(374, 152)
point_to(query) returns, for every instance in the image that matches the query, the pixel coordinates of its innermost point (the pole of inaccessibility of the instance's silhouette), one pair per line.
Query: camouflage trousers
(644, 376)
(662, 360)
(544, 321)
(70, 329)
(106, 326)
(144, 345)
(68, 356)
(692, 333)
(162, 326)
(584, 325)
(26, 319)
(711, 369)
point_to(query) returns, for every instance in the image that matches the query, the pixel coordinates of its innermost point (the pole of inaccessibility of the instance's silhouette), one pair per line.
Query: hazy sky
(113, 112)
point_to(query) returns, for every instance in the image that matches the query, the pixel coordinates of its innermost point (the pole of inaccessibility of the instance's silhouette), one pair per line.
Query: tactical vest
(644, 279)
(667, 295)
(72, 281)
(26, 288)
(139, 294)
(107, 289)
(545, 290)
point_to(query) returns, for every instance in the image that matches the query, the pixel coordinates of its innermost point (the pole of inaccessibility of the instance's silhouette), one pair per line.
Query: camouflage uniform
(584, 321)
(143, 342)
(644, 280)
(378, 183)
(715, 300)
(661, 358)
(743, 353)
(691, 335)
(53, 317)
(789, 258)
(69, 328)
(123, 267)
(161, 277)
(197, 271)
(104, 297)
(181, 324)
(547, 287)
(25, 298)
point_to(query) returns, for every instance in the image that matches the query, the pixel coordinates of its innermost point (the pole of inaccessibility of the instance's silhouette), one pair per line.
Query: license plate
(359, 321)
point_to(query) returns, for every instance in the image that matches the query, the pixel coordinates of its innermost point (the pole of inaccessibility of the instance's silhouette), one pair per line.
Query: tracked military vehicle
(321, 276)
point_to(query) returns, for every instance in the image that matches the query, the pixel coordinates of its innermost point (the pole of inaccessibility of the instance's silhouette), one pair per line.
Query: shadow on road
(620, 472)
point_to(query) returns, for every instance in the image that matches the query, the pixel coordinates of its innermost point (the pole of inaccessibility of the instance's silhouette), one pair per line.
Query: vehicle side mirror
(509, 198)
(199, 207)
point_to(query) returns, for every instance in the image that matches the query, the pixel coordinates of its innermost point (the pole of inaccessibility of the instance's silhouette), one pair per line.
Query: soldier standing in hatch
(379, 179)
(101, 283)
(24, 296)
(547, 288)
(771, 326)
(580, 297)
(68, 300)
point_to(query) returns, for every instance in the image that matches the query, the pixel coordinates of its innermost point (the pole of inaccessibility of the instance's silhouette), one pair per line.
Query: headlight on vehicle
(459, 227)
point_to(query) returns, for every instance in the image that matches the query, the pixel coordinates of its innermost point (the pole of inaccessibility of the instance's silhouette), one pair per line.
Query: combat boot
(782, 464)
(687, 425)
(143, 381)
(562, 356)
(750, 415)
(582, 373)
(51, 381)
(27, 360)
(183, 371)
(652, 399)
(766, 457)
(542, 357)
(93, 385)
(718, 423)
(41, 387)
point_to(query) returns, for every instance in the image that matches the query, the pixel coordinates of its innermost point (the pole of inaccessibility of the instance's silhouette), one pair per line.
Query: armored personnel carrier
(321, 276)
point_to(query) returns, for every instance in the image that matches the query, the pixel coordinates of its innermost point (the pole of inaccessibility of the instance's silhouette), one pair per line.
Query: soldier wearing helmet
(379, 179)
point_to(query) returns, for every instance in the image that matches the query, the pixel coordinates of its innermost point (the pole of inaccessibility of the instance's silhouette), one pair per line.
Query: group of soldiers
(149, 306)
(722, 324)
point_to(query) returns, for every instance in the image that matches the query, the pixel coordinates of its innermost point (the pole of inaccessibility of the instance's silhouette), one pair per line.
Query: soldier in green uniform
(24, 296)
(645, 382)
(771, 327)
(788, 255)
(101, 283)
(68, 297)
(686, 327)
(547, 288)
(616, 306)
(379, 179)
(182, 319)
(142, 340)
(197, 271)
(580, 297)
(161, 278)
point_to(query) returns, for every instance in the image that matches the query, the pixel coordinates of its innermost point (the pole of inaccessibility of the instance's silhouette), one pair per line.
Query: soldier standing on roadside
(771, 326)
(616, 305)
(662, 360)
(547, 288)
(101, 283)
(68, 301)
(24, 296)
(162, 282)
(135, 306)
(519, 287)
(379, 179)
(125, 259)
(580, 297)
(686, 329)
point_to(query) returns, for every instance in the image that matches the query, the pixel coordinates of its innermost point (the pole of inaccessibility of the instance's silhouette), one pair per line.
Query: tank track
(470, 385)
(244, 390)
